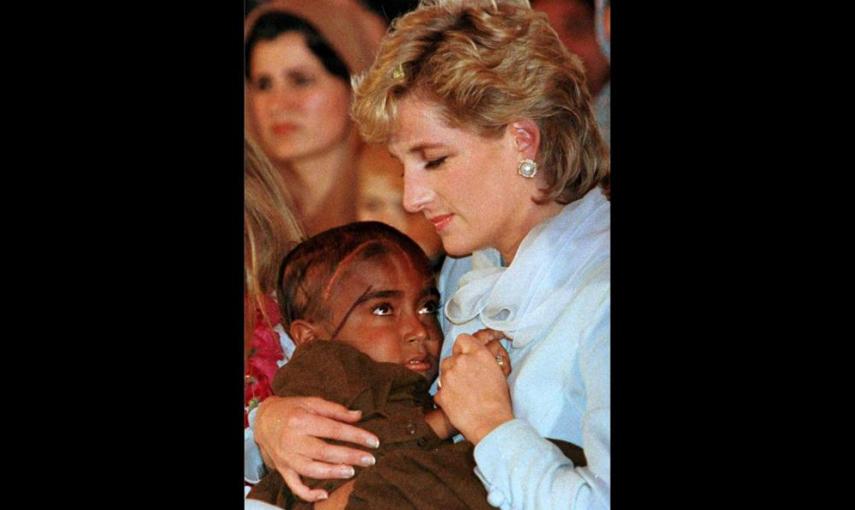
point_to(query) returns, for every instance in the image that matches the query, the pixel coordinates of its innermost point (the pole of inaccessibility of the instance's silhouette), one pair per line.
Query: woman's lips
(283, 128)
(441, 221)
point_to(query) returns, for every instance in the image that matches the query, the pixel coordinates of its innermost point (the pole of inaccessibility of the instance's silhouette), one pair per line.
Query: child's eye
(382, 309)
(436, 163)
(431, 307)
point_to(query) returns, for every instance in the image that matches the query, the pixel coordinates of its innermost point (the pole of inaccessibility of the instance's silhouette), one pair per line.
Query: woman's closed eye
(435, 163)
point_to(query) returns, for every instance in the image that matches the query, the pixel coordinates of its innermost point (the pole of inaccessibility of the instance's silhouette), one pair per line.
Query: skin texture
(299, 108)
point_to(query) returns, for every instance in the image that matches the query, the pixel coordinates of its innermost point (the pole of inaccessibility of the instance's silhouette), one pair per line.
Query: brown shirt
(414, 469)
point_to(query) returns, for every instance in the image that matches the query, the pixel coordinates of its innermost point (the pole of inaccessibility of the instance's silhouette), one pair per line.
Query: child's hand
(490, 339)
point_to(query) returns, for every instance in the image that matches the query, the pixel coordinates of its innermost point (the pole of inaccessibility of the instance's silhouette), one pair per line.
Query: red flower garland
(265, 352)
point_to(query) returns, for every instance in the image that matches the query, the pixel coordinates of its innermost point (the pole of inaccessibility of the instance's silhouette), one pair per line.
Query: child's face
(388, 308)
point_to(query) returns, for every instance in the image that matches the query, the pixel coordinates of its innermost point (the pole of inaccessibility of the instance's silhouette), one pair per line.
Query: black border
(160, 292)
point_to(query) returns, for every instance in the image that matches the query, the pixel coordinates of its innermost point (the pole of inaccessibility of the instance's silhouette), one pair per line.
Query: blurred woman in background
(299, 59)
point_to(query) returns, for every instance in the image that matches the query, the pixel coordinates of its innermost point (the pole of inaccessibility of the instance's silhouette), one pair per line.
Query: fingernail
(368, 460)
(373, 442)
(323, 496)
(347, 471)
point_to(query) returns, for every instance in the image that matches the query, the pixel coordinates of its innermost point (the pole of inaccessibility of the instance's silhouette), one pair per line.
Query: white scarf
(555, 258)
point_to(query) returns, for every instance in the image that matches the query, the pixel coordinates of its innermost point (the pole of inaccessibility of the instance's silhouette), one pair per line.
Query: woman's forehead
(419, 122)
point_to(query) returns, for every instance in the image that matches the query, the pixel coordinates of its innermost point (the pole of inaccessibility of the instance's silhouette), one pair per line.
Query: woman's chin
(456, 249)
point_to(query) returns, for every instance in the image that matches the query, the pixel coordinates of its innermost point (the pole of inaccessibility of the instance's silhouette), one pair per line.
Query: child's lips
(419, 364)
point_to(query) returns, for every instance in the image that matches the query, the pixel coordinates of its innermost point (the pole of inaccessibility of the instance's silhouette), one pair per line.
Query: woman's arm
(520, 469)
(288, 431)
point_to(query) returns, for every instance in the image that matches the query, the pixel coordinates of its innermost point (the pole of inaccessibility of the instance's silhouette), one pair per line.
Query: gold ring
(500, 360)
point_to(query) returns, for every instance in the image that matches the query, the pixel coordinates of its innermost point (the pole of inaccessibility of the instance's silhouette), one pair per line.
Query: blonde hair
(486, 64)
(270, 227)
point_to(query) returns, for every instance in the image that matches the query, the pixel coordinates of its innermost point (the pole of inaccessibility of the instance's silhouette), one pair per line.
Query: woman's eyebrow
(423, 146)
(418, 148)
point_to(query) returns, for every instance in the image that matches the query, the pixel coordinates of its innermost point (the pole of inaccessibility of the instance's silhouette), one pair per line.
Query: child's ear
(302, 331)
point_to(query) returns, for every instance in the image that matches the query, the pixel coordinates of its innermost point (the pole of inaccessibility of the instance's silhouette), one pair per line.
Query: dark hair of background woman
(272, 25)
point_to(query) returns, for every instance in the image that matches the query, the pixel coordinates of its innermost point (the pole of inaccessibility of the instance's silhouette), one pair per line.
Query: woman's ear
(302, 332)
(526, 135)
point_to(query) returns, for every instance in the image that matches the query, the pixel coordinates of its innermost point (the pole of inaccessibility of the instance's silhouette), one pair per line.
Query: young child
(360, 302)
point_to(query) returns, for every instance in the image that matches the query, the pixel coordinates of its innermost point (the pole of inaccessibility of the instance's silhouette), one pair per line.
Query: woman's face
(386, 308)
(299, 109)
(465, 184)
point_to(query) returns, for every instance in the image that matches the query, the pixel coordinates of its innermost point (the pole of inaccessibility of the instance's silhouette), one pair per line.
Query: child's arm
(438, 421)
(338, 499)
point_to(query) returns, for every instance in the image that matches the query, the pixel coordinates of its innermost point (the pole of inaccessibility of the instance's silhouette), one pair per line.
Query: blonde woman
(491, 118)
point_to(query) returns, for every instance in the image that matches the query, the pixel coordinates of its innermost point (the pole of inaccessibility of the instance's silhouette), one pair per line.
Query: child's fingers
(487, 335)
(292, 479)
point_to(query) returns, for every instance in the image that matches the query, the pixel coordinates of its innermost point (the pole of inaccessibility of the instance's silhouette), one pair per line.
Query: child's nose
(415, 331)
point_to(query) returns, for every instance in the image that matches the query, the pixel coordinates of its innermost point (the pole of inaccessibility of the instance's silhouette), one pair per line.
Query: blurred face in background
(299, 109)
(381, 194)
(574, 21)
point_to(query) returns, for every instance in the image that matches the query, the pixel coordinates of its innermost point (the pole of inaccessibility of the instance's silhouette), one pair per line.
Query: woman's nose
(283, 100)
(416, 194)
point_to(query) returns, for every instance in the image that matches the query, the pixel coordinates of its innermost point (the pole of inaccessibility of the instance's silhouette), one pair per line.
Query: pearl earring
(527, 168)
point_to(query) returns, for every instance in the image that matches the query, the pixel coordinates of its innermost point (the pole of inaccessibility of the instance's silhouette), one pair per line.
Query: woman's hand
(473, 389)
(288, 432)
